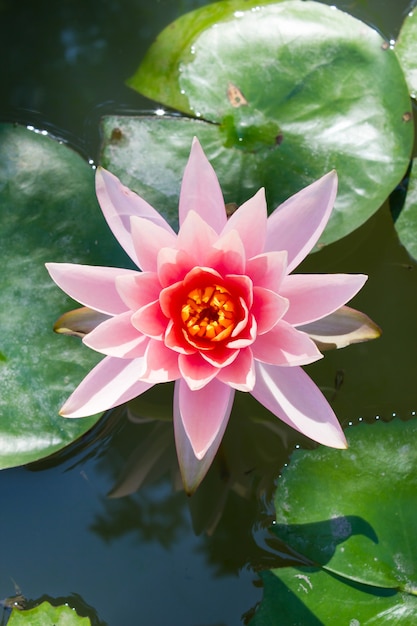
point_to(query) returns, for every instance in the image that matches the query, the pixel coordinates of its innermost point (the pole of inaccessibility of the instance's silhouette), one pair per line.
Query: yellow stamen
(209, 313)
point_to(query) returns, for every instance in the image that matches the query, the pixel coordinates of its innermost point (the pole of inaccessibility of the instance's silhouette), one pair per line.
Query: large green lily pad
(406, 49)
(348, 518)
(406, 223)
(311, 597)
(48, 212)
(353, 512)
(290, 91)
(47, 615)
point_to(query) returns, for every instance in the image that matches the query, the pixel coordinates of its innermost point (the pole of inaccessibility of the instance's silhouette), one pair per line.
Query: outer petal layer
(291, 395)
(117, 337)
(250, 222)
(313, 296)
(193, 469)
(204, 413)
(110, 383)
(297, 224)
(285, 345)
(118, 204)
(90, 285)
(200, 190)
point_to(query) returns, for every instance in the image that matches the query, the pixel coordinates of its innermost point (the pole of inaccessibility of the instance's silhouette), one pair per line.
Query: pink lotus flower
(214, 308)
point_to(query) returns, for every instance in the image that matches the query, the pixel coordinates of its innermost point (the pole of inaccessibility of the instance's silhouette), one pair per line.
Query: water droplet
(360, 419)
(159, 112)
(377, 417)
(239, 13)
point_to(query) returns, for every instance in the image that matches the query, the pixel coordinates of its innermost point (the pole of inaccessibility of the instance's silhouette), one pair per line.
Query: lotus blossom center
(209, 313)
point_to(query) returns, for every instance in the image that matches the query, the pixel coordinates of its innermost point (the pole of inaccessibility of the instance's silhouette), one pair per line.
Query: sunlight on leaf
(47, 615)
(288, 91)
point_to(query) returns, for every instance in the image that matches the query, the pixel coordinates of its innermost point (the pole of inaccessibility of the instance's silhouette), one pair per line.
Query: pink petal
(313, 296)
(173, 265)
(250, 222)
(268, 270)
(242, 324)
(175, 339)
(246, 336)
(195, 370)
(297, 224)
(171, 299)
(295, 399)
(200, 190)
(192, 469)
(148, 239)
(268, 308)
(196, 237)
(228, 254)
(285, 345)
(241, 373)
(161, 363)
(220, 357)
(111, 383)
(117, 337)
(139, 289)
(204, 413)
(241, 285)
(118, 204)
(92, 286)
(150, 320)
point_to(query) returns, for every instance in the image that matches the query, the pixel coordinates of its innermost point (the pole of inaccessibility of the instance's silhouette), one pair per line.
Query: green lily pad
(48, 212)
(290, 91)
(406, 49)
(353, 512)
(47, 615)
(406, 223)
(311, 597)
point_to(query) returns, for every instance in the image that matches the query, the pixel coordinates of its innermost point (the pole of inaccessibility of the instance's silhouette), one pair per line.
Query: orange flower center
(209, 313)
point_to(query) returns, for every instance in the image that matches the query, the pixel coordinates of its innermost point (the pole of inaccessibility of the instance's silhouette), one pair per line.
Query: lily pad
(48, 212)
(353, 512)
(406, 49)
(406, 223)
(311, 597)
(47, 615)
(290, 90)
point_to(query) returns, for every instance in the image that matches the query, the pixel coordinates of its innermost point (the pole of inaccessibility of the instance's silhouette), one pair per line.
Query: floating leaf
(330, 509)
(351, 516)
(47, 615)
(311, 597)
(406, 49)
(289, 91)
(48, 212)
(406, 223)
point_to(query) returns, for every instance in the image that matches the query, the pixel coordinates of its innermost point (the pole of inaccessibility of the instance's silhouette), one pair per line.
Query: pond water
(105, 524)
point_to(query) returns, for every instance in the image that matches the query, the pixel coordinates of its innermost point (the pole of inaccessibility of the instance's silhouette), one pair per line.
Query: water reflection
(147, 497)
